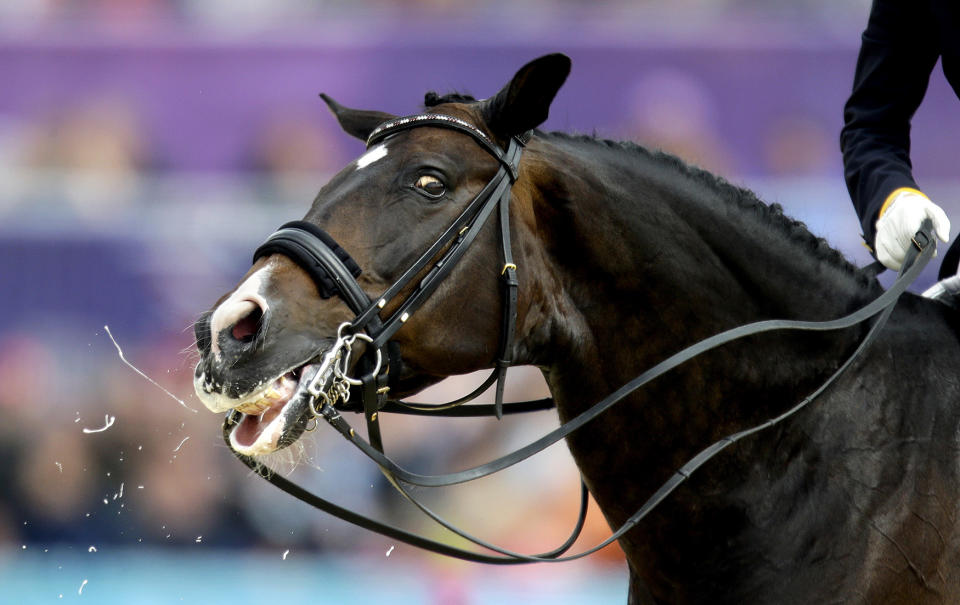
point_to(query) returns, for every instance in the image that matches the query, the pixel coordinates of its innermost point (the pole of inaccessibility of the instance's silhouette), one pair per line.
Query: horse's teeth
(282, 388)
(253, 407)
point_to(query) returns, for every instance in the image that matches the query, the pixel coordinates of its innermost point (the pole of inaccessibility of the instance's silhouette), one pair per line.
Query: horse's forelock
(432, 99)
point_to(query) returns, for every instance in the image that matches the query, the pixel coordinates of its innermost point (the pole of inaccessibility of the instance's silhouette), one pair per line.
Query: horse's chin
(271, 417)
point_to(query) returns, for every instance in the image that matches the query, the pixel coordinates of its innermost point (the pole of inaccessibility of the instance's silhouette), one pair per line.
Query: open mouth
(276, 412)
(274, 416)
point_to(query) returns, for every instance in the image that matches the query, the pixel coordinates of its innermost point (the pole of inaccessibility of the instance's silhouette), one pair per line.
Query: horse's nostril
(246, 329)
(201, 330)
(236, 324)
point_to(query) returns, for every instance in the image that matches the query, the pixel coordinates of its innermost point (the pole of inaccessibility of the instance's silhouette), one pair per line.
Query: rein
(329, 384)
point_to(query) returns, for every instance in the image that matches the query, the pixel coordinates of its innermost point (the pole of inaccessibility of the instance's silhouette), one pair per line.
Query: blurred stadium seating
(146, 148)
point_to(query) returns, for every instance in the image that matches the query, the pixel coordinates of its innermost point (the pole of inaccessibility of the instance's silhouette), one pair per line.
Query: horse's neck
(639, 265)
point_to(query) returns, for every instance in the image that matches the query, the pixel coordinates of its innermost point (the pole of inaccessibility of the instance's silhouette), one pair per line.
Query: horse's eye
(430, 186)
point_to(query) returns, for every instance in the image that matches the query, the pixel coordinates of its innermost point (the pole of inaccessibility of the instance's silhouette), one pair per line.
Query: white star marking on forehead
(377, 153)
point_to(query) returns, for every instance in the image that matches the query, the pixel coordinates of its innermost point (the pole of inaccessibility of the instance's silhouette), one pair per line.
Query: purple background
(202, 107)
(142, 159)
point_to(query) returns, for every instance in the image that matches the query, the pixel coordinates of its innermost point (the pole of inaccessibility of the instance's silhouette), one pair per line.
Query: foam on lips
(281, 422)
(211, 394)
(277, 412)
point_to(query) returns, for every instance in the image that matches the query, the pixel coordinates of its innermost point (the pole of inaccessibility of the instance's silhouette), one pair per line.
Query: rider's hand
(900, 220)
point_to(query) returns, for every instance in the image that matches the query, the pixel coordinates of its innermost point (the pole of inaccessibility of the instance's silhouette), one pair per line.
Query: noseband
(335, 273)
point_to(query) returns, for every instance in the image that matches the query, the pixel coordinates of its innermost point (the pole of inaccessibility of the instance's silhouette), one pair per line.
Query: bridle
(335, 272)
(328, 389)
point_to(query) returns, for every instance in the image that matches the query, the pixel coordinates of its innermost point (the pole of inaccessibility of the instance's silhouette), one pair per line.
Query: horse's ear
(524, 103)
(356, 122)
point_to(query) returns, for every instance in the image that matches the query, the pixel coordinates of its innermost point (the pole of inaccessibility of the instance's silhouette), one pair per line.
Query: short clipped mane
(745, 199)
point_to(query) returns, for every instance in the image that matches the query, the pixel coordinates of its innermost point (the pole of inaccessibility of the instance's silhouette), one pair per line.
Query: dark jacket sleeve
(897, 54)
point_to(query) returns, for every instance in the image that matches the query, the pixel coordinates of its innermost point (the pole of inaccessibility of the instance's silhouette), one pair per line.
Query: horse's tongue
(252, 426)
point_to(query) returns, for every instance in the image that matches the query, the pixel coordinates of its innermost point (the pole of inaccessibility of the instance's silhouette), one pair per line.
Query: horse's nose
(236, 326)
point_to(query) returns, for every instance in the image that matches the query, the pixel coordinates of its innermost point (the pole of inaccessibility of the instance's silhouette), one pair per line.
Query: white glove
(901, 221)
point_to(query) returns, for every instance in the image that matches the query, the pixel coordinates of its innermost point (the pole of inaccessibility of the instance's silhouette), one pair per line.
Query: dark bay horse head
(625, 256)
(385, 209)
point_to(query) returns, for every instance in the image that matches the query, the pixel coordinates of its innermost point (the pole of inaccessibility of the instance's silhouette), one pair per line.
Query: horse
(625, 256)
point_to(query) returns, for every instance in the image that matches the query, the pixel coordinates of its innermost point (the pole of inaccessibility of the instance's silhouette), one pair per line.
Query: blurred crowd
(102, 224)
(231, 13)
(98, 457)
(95, 155)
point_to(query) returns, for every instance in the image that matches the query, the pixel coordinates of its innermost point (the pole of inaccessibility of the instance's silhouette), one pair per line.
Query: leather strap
(439, 120)
(916, 260)
(371, 409)
(509, 287)
(948, 267)
(329, 265)
(470, 411)
(508, 276)
(384, 529)
(473, 218)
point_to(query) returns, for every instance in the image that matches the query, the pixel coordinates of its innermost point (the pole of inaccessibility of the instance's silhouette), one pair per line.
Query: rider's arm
(897, 54)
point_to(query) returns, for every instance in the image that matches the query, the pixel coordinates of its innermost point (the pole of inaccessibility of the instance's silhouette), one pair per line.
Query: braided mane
(773, 214)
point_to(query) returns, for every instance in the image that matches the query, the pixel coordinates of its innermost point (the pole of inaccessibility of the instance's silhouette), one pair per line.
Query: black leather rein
(335, 273)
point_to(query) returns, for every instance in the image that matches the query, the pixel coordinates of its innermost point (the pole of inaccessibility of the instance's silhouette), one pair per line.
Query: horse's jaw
(272, 416)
